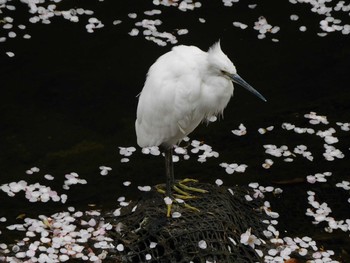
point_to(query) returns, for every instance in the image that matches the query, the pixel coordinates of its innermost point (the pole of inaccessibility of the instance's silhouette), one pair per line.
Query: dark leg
(169, 170)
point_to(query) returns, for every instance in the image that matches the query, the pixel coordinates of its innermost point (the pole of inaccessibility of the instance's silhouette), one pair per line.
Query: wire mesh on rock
(210, 235)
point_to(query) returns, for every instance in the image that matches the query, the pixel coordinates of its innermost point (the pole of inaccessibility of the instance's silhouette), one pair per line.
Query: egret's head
(221, 65)
(219, 62)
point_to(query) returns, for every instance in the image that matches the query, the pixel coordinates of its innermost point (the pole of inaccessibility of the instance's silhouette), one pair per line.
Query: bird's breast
(215, 95)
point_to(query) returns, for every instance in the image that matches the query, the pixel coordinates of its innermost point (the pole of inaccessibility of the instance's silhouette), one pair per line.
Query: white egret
(183, 88)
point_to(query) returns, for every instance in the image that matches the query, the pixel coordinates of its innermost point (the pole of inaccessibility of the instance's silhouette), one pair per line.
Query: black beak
(237, 79)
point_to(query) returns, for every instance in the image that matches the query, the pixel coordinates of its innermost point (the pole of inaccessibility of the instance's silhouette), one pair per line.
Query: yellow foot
(181, 194)
(189, 188)
(169, 202)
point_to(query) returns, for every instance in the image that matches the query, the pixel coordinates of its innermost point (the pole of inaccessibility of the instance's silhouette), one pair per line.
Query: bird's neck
(216, 92)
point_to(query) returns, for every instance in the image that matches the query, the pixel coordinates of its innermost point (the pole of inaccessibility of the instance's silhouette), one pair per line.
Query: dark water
(68, 100)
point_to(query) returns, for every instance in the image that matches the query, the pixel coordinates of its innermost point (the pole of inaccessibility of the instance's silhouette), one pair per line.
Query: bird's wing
(185, 104)
(167, 105)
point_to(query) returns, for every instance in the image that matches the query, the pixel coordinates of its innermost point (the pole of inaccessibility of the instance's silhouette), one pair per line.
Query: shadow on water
(68, 101)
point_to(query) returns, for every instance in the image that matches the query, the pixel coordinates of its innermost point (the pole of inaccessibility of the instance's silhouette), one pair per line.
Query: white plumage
(184, 87)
